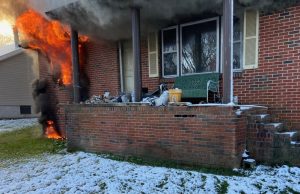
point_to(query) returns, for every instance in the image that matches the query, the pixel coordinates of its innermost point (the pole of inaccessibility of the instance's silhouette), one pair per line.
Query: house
(18, 69)
(179, 40)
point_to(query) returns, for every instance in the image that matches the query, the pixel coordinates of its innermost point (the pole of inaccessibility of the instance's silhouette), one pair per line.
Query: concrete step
(295, 144)
(272, 127)
(252, 109)
(259, 118)
(249, 163)
(284, 138)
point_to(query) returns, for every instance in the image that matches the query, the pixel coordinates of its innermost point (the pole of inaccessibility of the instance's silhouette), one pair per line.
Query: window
(237, 44)
(25, 110)
(251, 29)
(199, 47)
(170, 58)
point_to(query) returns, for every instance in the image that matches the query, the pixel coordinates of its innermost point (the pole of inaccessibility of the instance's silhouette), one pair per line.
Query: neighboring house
(18, 69)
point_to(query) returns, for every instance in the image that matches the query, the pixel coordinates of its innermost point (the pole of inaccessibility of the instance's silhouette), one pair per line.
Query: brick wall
(102, 67)
(276, 81)
(209, 136)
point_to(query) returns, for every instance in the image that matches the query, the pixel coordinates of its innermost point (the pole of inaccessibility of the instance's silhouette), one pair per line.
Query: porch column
(227, 51)
(75, 65)
(135, 20)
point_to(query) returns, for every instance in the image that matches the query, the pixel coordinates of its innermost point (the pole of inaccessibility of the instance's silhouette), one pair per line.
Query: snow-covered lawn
(15, 124)
(90, 173)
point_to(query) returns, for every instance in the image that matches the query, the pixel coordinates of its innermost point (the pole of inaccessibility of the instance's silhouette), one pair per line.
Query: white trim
(162, 51)
(217, 41)
(156, 58)
(11, 54)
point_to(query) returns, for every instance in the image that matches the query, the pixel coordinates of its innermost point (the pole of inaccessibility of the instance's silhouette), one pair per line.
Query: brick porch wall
(208, 136)
(276, 81)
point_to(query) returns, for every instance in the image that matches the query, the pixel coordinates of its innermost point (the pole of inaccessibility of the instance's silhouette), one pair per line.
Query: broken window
(199, 47)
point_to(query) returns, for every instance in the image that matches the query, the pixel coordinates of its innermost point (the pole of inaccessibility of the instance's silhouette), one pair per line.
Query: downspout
(75, 66)
(227, 51)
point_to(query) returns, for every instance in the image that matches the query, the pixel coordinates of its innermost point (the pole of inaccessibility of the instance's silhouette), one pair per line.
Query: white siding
(16, 76)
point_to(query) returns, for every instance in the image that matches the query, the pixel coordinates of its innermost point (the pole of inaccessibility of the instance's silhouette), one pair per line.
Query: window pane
(236, 29)
(237, 55)
(169, 40)
(199, 48)
(170, 64)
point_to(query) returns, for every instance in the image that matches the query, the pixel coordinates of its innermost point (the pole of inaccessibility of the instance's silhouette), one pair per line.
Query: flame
(51, 38)
(51, 132)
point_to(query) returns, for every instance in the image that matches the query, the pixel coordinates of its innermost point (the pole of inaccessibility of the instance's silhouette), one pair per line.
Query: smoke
(42, 101)
(11, 9)
(112, 19)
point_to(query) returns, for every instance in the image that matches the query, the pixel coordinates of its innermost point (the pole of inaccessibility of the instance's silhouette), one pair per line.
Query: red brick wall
(209, 136)
(102, 67)
(276, 81)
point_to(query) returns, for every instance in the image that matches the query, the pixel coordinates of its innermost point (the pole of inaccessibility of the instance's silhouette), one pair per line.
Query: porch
(206, 135)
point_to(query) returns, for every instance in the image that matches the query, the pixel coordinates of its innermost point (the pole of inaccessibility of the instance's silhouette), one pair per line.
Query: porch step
(252, 110)
(260, 118)
(295, 144)
(272, 127)
(249, 163)
(285, 138)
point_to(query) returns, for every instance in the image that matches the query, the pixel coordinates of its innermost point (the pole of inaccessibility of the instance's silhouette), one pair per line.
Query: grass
(172, 164)
(26, 143)
(221, 187)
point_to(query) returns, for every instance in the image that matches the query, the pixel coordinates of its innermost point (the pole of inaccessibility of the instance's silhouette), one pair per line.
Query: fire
(51, 132)
(51, 38)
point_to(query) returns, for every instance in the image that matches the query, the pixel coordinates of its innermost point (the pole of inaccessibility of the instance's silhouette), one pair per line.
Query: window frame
(162, 51)
(217, 46)
(241, 41)
(241, 49)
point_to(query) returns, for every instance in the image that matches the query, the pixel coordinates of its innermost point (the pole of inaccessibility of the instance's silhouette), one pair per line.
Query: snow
(15, 124)
(247, 107)
(295, 143)
(238, 112)
(274, 124)
(249, 160)
(90, 173)
(262, 115)
(245, 155)
(291, 134)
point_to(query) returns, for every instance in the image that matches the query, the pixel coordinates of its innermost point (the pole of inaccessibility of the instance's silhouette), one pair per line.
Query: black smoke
(42, 99)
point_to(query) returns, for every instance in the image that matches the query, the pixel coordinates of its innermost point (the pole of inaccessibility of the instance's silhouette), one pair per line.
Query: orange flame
(51, 132)
(51, 38)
